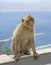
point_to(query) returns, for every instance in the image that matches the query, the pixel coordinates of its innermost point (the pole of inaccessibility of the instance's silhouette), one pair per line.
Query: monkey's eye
(27, 22)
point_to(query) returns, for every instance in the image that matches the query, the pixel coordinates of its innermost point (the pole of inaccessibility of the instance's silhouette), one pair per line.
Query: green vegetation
(1, 50)
(5, 51)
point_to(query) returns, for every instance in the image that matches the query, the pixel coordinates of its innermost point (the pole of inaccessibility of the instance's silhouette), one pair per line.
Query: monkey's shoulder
(18, 30)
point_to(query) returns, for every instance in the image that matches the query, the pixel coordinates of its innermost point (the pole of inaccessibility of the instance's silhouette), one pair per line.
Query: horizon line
(26, 10)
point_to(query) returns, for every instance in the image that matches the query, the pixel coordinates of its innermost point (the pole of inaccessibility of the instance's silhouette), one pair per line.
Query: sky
(19, 1)
(25, 1)
(25, 5)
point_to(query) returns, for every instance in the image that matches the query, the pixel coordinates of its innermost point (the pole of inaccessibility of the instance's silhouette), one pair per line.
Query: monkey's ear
(22, 20)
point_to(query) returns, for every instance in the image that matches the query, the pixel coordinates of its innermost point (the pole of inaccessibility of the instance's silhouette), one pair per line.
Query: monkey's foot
(27, 52)
(17, 56)
(36, 55)
(22, 53)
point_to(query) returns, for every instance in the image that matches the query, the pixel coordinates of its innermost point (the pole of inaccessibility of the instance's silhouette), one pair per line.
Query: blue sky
(25, 5)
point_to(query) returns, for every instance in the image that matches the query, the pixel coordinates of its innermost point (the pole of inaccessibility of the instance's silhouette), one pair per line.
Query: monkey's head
(28, 21)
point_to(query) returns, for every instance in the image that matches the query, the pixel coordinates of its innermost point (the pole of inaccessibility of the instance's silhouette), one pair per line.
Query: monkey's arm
(36, 55)
(33, 45)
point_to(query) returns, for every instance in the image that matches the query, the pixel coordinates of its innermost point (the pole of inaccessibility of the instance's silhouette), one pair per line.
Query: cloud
(25, 5)
(20, 1)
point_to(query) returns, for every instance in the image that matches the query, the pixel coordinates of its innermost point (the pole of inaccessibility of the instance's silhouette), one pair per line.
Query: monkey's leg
(21, 52)
(17, 50)
(13, 49)
(27, 52)
(27, 48)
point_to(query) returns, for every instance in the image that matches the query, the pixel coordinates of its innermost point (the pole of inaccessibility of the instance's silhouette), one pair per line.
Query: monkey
(23, 38)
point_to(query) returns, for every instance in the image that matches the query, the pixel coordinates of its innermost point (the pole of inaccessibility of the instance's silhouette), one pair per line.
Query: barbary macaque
(23, 38)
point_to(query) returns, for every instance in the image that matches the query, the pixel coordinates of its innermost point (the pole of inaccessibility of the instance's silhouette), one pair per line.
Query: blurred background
(11, 14)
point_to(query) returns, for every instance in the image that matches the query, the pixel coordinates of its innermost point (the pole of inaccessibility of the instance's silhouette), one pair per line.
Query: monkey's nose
(31, 24)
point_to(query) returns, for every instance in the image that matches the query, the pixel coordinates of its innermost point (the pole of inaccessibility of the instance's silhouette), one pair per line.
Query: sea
(9, 21)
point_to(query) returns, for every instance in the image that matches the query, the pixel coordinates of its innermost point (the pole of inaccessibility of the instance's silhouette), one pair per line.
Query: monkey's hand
(36, 55)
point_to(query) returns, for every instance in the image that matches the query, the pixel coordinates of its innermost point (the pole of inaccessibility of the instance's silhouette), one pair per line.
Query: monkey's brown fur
(23, 38)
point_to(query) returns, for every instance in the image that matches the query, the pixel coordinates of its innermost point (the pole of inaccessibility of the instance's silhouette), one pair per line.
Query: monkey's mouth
(31, 25)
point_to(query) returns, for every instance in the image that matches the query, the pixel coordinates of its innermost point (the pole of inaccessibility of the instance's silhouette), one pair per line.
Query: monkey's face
(28, 22)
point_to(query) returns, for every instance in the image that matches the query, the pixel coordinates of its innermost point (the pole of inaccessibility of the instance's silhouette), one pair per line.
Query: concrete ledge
(40, 52)
(44, 59)
(5, 59)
